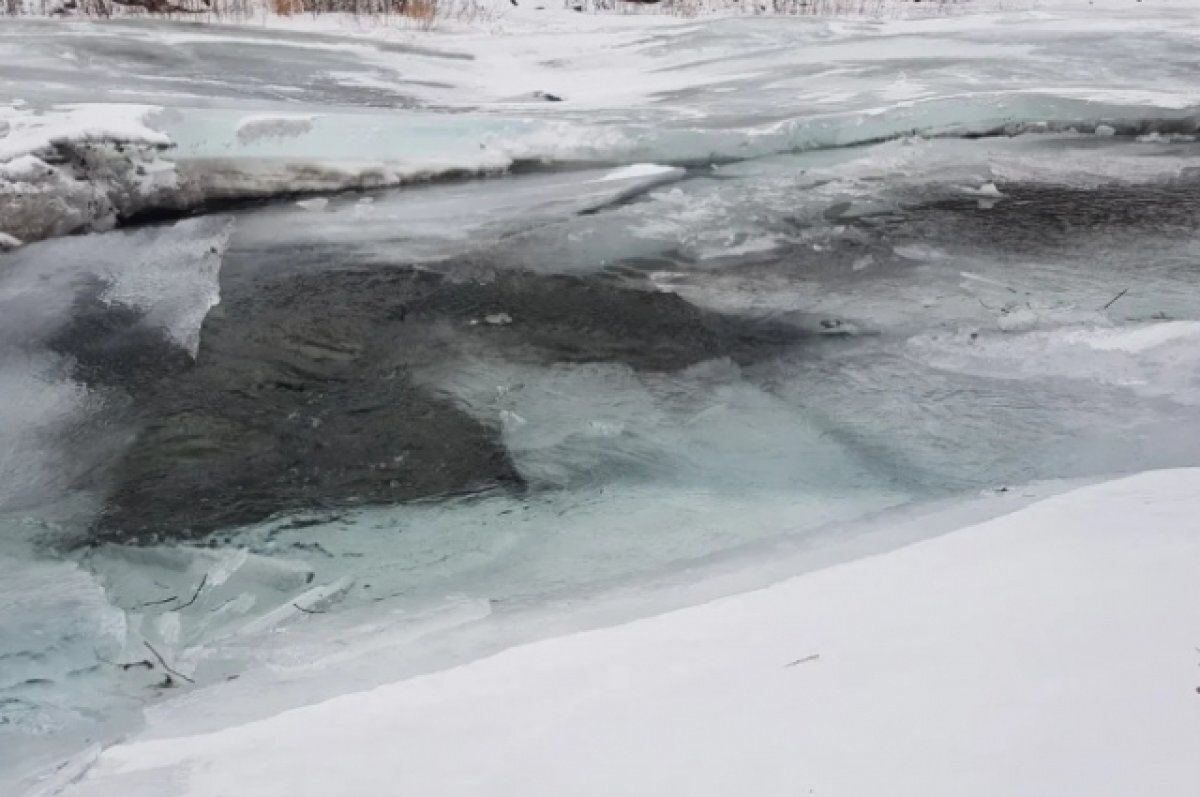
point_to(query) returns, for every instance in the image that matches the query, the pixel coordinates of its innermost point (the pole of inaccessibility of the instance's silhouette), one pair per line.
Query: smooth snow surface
(1051, 651)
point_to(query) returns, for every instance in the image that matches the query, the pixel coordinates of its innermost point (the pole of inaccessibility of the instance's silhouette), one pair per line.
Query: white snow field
(1051, 651)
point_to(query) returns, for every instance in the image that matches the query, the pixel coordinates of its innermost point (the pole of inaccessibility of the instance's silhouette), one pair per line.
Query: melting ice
(985, 252)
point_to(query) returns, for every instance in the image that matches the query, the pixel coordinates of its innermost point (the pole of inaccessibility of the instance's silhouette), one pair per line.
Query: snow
(1151, 359)
(79, 168)
(67, 773)
(22, 167)
(958, 663)
(637, 170)
(1141, 339)
(315, 204)
(288, 106)
(1050, 651)
(29, 132)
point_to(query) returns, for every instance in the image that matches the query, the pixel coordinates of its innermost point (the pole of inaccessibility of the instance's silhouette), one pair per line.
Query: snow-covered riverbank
(170, 117)
(1051, 651)
(739, 299)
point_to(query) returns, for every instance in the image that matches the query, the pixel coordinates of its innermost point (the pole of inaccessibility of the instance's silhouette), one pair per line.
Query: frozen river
(675, 298)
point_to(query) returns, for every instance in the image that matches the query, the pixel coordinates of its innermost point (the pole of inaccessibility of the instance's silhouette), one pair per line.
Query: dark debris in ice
(1034, 217)
(302, 396)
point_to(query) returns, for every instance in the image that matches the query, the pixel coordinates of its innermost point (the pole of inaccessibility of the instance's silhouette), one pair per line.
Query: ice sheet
(959, 661)
(753, 166)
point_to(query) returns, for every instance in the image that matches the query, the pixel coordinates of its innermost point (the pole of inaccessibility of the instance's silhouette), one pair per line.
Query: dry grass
(423, 14)
(287, 8)
(807, 8)
(426, 14)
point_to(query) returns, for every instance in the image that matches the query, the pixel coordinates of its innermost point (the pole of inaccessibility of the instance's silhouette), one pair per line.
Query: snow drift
(1049, 651)
(77, 169)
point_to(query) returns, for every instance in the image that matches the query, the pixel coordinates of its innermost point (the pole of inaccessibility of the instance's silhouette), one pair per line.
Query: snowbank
(31, 133)
(1051, 651)
(86, 168)
(79, 168)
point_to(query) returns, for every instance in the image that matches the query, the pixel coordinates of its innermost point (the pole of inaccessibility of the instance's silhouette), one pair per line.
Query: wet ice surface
(955, 335)
(953, 342)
